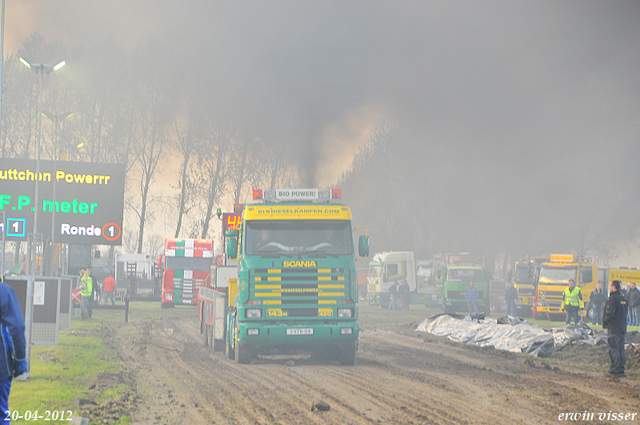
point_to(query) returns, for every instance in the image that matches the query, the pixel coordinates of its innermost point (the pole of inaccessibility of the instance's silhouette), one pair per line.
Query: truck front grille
(316, 289)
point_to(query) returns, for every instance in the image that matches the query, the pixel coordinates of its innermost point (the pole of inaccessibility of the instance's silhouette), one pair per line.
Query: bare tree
(18, 109)
(153, 135)
(187, 134)
(240, 168)
(212, 159)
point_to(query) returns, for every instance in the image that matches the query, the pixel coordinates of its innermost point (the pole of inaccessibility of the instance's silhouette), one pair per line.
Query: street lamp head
(59, 117)
(53, 66)
(26, 62)
(59, 65)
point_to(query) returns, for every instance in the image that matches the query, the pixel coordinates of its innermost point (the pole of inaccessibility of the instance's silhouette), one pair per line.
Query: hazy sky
(512, 93)
(317, 75)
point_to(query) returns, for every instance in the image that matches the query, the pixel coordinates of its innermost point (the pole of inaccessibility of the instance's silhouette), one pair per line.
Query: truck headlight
(346, 331)
(253, 332)
(345, 312)
(253, 313)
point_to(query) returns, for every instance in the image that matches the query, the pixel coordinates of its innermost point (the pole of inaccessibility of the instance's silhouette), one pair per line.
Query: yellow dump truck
(553, 279)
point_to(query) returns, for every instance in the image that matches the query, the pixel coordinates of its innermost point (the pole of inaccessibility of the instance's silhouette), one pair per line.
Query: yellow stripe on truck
(268, 286)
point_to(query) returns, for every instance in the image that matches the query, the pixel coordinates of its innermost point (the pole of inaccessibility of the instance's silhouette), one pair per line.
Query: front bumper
(274, 338)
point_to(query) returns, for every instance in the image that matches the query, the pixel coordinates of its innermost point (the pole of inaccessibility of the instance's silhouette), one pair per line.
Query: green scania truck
(456, 272)
(297, 288)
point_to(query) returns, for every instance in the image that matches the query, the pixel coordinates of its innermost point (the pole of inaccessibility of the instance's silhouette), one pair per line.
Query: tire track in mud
(537, 393)
(390, 394)
(228, 379)
(396, 379)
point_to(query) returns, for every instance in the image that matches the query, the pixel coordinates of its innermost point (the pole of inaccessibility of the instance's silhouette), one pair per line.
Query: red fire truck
(187, 266)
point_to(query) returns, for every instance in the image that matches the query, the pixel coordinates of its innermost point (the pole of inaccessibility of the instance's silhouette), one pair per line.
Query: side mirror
(232, 246)
(363, 246)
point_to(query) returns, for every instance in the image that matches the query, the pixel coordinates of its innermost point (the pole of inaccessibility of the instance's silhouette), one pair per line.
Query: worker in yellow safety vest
(572, 302)
(86, 289)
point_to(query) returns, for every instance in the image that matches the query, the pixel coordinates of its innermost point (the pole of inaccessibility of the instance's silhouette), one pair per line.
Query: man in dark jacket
(511, 295)
(596, 300)
(13, 361)
(633, 299)
(615, 321)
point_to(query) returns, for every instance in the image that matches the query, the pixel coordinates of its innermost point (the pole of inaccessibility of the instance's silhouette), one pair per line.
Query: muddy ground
(400, 377)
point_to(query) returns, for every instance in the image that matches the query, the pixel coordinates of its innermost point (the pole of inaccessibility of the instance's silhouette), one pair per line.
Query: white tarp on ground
(514, 335)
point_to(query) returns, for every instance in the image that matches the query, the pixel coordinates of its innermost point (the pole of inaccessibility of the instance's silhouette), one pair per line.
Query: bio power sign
(82, 201)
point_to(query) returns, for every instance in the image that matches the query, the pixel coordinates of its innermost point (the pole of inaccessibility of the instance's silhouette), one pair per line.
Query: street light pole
(56, 153)
(39, 68)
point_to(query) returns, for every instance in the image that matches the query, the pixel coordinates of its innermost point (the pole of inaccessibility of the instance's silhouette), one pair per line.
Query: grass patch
(83, 366)
(75, 368)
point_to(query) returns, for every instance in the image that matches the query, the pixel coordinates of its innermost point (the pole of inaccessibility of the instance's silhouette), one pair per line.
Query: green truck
(455, 272)
(297, 288)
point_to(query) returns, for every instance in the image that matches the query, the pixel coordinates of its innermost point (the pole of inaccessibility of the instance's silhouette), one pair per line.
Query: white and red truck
(187, 267)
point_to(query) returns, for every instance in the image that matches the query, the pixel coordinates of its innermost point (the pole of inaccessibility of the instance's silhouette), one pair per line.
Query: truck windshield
(198, 264)
(557, 274)
(524, 274)
(294, 237)
(424, 271)
(459, 274)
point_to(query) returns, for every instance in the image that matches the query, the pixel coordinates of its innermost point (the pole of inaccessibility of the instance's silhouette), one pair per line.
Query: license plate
(300, 331)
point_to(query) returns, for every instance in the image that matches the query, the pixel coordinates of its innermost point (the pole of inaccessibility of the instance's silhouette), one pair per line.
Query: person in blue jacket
(13, 357)
(471, 295)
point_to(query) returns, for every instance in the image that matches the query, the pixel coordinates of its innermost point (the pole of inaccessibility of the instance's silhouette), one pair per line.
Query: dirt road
(398, 379)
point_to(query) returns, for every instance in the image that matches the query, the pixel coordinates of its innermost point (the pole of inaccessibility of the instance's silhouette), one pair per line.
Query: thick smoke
(529, 107)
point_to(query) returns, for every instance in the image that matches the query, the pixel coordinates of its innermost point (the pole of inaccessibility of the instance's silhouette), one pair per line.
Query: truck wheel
(205, 334)
(218, 345)
(398, 304)
(243, 355)
(229, 352)
(212, 342)
(347, 355)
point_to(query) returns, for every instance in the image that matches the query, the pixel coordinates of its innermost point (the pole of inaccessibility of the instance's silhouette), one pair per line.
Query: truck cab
(297, 284)
(386, 270)
(458, 270)
(553, 279)
(524, 279)
(186, 265)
